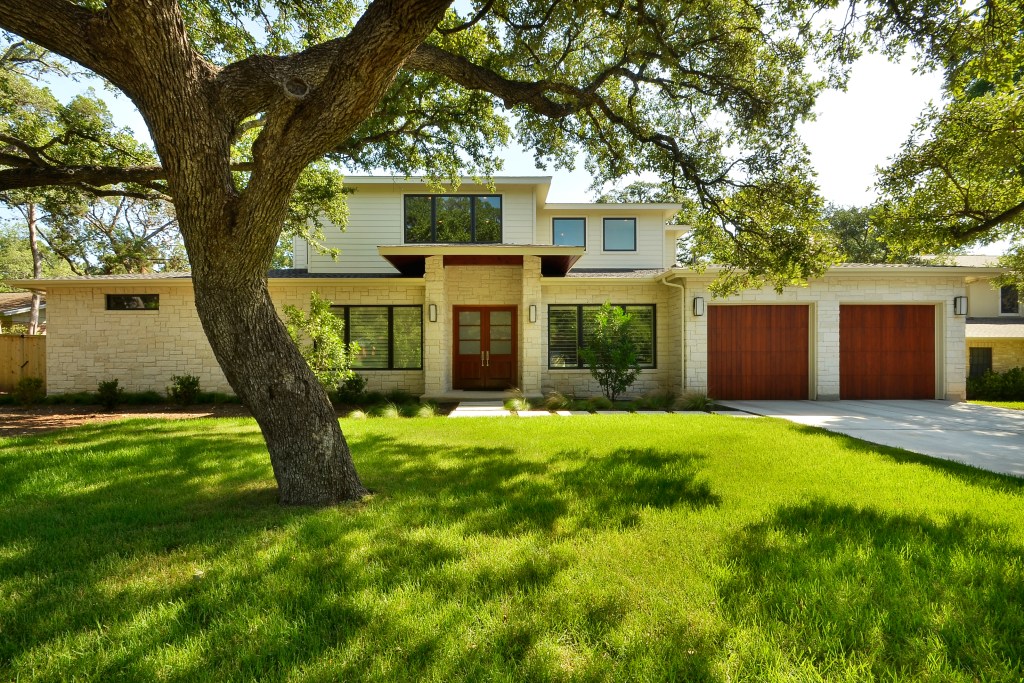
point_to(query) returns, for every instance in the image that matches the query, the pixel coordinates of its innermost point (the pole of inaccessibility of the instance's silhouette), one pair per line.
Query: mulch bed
(20, 421)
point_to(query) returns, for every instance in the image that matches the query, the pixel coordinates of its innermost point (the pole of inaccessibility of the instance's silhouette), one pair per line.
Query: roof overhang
(867, 270)
(410, 259)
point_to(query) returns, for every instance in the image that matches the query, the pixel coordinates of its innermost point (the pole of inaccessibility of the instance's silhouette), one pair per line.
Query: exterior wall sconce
(698, 306)
(960, 305)
(432, 313)
(533, 313)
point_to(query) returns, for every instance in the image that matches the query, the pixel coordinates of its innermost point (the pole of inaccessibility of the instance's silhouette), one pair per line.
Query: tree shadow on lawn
(858, 592)
(131, 551)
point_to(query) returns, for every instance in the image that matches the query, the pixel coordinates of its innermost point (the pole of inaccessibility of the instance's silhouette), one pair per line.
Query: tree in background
(858, 240)
(610, 352)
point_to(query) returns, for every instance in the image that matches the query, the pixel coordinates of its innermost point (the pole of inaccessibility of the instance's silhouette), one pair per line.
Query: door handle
(482, 359)
(488, 358)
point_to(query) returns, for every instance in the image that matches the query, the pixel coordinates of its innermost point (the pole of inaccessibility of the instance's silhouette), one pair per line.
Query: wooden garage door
(757, 352)
(886, 352)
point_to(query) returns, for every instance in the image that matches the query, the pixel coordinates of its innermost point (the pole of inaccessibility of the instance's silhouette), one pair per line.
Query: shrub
(320, 336)
(184, 389)
(600, 403)
(387, 410)
(696, 401)
(658, 400)
(110, 394)
(426, 410)
(557, 401)
(145, 398)
(997, 386)
(400, 396)
(29, 391)
(610, 353)
(373, 398)
(517, 404)
(351, 390)
(357, 415)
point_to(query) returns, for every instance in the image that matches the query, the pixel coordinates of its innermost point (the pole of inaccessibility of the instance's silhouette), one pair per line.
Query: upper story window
(452, 218)
(133, 302)
(1009, 300)
(620, 234)
(569, 232)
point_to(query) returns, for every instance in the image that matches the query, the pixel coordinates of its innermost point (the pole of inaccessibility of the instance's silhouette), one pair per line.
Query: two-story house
(492, 287)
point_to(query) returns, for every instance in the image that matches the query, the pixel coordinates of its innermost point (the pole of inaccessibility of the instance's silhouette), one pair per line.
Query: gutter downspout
(682, 327)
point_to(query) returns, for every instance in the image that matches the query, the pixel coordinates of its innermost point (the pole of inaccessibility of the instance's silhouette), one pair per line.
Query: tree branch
(25, 177)
(61, 27)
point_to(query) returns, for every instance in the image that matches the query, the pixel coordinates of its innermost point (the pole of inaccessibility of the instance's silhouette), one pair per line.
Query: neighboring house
(16, 309)
(491, 288)
(995, 322)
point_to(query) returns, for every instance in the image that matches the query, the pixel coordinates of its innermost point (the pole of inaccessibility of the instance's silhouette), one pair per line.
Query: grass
(1013, 405)
(630, 547)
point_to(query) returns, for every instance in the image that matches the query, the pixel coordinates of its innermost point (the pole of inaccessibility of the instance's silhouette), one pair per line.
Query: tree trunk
(37, 267)
(311, 459)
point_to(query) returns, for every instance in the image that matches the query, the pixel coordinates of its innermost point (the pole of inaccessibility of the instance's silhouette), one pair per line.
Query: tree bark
(311, 459)
(37, 266)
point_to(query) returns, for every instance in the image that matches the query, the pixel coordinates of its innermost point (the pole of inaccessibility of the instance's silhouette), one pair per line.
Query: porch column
(436, 353)
(531, 347)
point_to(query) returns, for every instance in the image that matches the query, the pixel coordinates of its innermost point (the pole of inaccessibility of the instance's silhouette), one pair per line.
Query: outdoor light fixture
(533, 313)
(698, 306)
(960, 305)
(432, 313)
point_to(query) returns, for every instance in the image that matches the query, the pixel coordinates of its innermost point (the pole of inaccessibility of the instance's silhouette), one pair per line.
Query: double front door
(484, 348)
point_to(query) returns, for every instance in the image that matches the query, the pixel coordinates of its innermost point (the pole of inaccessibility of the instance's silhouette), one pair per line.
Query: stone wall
(87, 344)
(1006, 353)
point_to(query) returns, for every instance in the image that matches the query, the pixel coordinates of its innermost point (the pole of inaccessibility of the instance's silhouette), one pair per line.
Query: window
(1009, 300)
(569, 328)
(981, 361)
(569, 232)
(620, 234)
(452, 218)
(133, 302)
(389, 337)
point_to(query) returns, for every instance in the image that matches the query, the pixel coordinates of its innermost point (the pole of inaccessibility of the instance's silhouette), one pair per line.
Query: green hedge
(997, 386)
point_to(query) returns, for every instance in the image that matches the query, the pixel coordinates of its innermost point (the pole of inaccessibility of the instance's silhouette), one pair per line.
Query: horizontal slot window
(133, 302)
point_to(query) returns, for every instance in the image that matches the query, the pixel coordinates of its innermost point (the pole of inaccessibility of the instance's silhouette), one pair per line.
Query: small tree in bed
(610, 353)
(320, 336)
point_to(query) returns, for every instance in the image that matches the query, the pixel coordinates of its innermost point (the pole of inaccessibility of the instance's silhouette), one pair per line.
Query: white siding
(376, 218)
(650, 237)
(983, 299)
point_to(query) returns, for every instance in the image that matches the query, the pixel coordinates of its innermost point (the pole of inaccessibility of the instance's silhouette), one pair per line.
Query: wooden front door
(484, 347)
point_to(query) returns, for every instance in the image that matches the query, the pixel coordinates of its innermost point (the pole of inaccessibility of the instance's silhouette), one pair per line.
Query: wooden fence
(21, 356)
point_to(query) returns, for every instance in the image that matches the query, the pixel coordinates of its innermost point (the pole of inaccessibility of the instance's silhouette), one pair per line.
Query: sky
(854, 132)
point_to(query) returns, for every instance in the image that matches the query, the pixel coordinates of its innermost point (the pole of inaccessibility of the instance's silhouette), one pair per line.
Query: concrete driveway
(982, 436)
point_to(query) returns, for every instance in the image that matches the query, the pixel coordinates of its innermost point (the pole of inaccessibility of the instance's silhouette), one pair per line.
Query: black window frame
(604, 233)
(433, 217)
(108, 297)
(569, 218)
(978, 368)
(580, 365)
(344, 311)
(1002, 297)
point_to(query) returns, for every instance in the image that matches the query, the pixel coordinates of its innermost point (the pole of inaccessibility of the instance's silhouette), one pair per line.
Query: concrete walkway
(982, 436)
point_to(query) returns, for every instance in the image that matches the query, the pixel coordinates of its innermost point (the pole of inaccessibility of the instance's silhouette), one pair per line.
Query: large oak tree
(704, 95)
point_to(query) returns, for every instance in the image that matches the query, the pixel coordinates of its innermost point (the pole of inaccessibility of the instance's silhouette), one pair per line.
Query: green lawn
(1013, 405)
(648, 548)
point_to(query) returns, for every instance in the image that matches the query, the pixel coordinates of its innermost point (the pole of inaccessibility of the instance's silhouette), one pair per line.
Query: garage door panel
(758, 352)
(887, 351)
